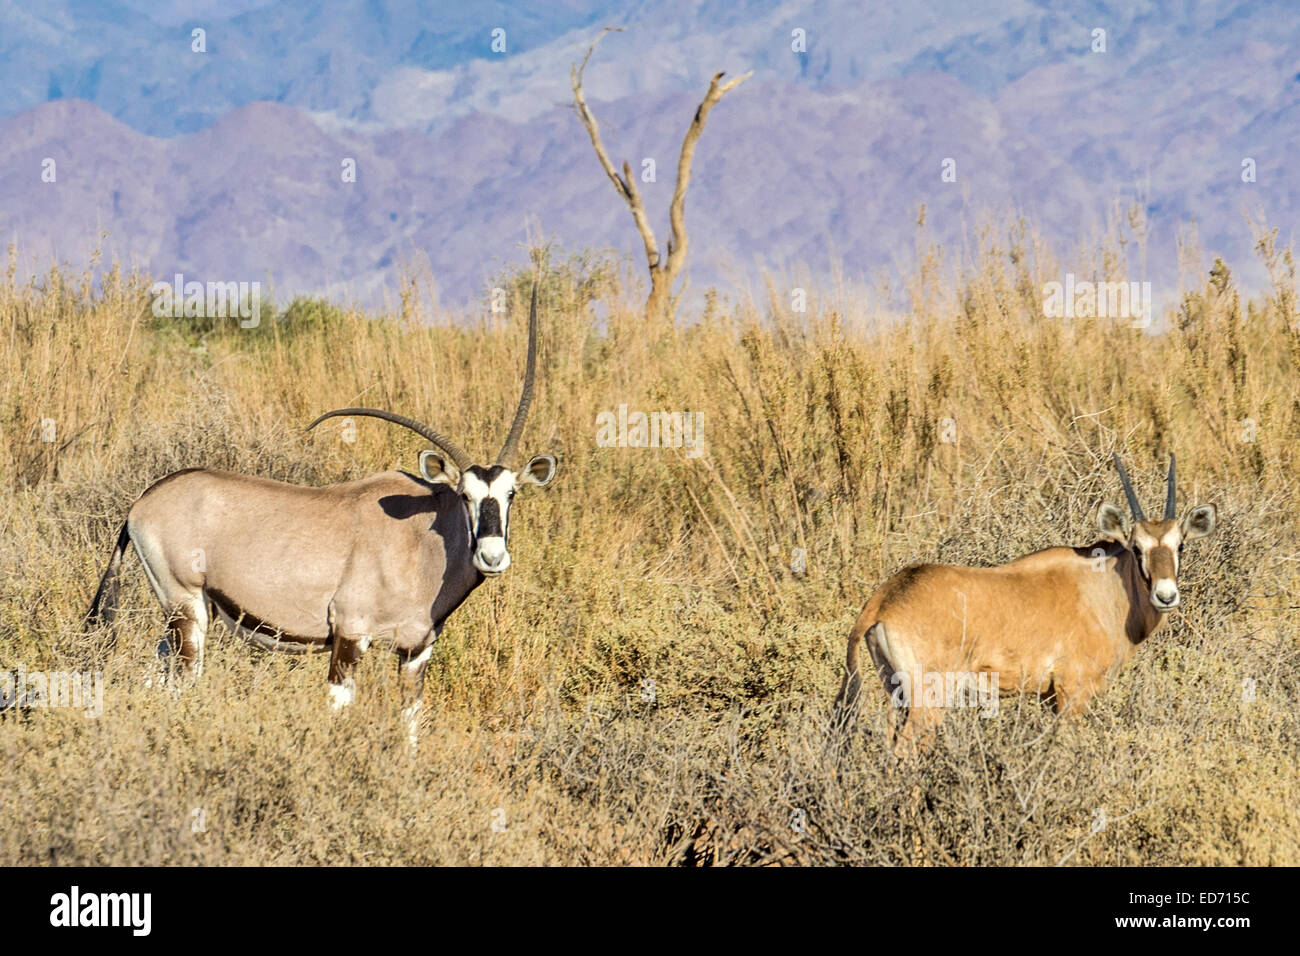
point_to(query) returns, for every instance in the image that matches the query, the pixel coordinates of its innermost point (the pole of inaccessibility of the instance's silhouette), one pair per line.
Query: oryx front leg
(410, 669)
(343, 662)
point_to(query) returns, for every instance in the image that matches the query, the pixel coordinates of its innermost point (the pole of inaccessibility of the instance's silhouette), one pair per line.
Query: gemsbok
(383, 559)
(1059, 622)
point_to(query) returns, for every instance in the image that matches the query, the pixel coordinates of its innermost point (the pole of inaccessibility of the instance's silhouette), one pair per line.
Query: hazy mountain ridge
(821, 156)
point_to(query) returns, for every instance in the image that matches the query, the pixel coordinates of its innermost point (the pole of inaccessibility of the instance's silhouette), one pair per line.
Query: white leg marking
(199, 632)
(412, 717)
(415, 663)
(342, 694)
(148, 554)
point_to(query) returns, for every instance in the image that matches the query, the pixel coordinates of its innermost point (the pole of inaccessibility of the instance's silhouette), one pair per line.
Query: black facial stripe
(489, 518)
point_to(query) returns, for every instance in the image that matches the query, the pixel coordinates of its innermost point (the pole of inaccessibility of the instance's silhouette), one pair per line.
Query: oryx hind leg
(186, 634)
(846, 712)
(917, 731)
(915, 724)
(184, 604)
(882, 656)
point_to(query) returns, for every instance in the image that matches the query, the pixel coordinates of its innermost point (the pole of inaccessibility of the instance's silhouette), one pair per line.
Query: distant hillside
(227, 164)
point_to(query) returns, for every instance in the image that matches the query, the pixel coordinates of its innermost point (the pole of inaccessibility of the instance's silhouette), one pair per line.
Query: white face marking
(1164, 591)
(503, 485)
(490, 553)
(1172, 540)
(1144, 543)
(491, 556)
(475, 491)
(1164, 594)
(342, 694)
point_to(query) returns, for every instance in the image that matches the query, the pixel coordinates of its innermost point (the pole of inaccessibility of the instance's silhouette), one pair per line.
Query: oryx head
(486, 491)
(1157, 545)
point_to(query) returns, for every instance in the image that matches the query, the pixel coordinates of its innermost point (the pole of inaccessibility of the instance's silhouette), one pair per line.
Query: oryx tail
(104, 608)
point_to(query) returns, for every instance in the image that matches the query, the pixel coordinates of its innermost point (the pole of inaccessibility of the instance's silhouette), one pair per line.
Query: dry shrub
(961, 426)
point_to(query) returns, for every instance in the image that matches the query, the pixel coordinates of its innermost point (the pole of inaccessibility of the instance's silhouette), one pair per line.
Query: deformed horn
(462, 460)
(511, 447)
(1171, 501)
(1128, 490)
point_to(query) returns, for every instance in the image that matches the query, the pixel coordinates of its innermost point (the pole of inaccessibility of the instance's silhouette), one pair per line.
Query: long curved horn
(462, 460)
(1128, 490)
(1171, 501)
(511, 447)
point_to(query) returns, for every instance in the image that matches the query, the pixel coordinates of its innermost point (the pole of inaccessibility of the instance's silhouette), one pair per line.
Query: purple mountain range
(825, 177)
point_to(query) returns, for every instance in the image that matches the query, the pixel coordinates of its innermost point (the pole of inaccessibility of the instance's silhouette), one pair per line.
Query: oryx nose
(492, 555)
(1165, 593)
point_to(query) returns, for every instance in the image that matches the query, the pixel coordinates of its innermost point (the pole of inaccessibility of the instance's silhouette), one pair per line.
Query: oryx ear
(1110, 521)
(438, 469)
(1199, 522)
(539, 470)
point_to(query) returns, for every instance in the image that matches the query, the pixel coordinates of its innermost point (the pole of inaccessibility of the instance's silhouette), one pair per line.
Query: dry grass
(825, 432)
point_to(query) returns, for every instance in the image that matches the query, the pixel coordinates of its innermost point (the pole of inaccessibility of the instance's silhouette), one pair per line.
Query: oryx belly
(268, 635)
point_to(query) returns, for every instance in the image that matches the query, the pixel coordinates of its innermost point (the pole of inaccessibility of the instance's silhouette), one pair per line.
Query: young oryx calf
(296, 569)
(1059, 622)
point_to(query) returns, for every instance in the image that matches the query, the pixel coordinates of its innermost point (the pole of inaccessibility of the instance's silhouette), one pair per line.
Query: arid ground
(651, 680)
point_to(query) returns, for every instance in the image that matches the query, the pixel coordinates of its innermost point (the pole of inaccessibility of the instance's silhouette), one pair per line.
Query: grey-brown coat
(384, 559)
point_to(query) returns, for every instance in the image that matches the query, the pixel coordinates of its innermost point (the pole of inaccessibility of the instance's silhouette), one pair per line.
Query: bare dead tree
(663, 270)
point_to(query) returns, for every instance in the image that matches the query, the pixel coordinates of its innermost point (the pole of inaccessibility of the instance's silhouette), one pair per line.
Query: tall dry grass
(827, 432)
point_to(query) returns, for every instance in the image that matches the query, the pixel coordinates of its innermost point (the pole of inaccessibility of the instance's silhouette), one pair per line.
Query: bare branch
(677, 242)
(625, 184)
(588, 120)
(663, 273)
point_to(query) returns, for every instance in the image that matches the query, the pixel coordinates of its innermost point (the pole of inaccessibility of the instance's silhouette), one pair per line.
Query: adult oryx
(292, 568)
(1059, 622)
